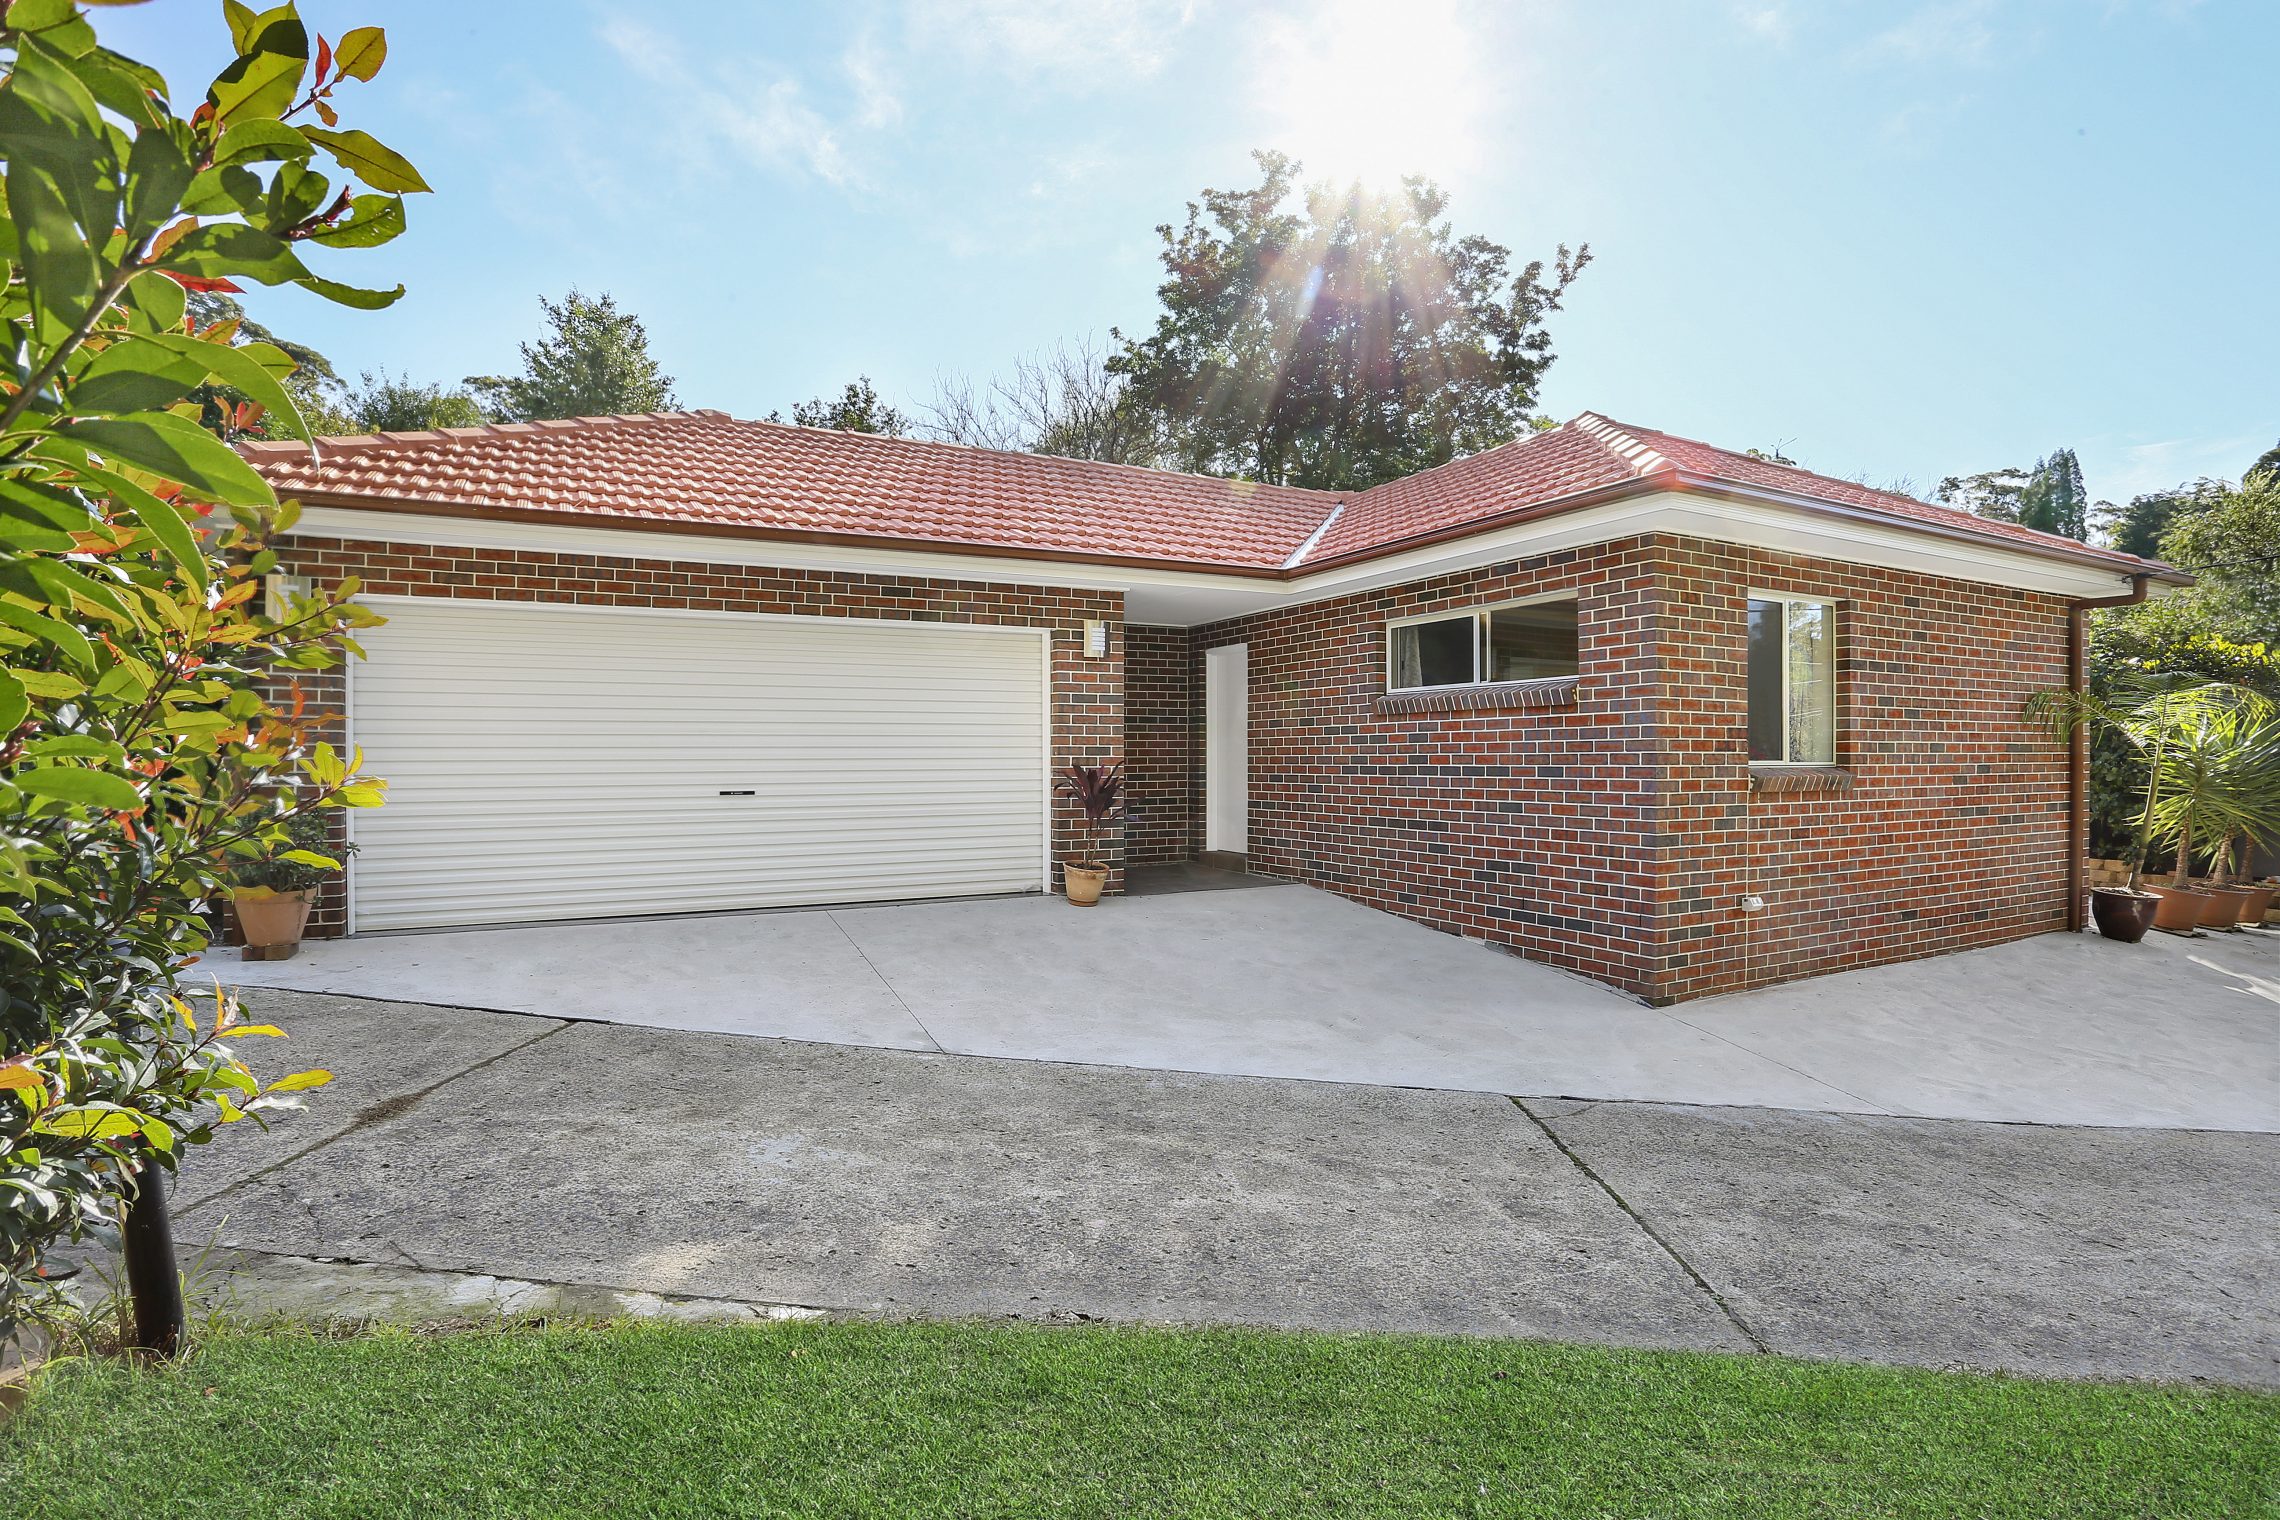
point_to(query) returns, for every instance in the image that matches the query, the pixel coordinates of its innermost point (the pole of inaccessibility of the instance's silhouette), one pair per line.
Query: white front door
(1227, 748)
(550, 762)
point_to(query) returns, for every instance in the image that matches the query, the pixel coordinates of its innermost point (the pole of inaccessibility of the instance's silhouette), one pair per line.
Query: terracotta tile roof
(1709, 461)
(1592, 452)
(711, 471)
(672, 468)
(1509, 478)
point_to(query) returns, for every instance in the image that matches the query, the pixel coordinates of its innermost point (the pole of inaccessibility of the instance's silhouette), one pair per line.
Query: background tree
(144, 740)
(1345, 340)
(857, 409)
(1063, 401)
(314, 384)
(2140, 527)
(1992, 494)
(2054, 499)
(2232, 546)
(2267, 463)
(2050, 497)
(594, 361)
(385, 403)
(2225, 628)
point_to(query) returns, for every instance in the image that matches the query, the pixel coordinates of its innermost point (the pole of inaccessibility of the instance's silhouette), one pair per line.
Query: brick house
(1673, 717)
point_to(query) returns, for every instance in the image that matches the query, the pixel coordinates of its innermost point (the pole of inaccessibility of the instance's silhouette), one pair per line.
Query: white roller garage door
(551, 762)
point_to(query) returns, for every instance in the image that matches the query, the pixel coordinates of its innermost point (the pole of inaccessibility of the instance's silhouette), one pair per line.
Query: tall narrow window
(1793, 680)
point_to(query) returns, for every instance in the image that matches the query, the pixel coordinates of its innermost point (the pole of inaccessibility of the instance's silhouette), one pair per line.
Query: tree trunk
(147, 1236)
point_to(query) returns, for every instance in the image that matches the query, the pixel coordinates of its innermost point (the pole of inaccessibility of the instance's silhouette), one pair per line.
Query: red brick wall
(1160, 775)
(1529, 827)
(1953, 833)
(1615, 837)
(1088, 694)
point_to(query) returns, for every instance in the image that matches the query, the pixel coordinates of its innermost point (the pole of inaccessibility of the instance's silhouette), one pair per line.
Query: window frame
(1480, 616)
(1787, 599)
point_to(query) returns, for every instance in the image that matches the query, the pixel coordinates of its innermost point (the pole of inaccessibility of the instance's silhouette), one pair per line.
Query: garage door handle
(749, 792)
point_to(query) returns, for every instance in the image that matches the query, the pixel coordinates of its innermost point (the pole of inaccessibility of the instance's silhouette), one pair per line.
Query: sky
(1896, 239)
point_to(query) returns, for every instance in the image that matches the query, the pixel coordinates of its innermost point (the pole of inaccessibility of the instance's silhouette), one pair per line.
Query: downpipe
(2078, 745)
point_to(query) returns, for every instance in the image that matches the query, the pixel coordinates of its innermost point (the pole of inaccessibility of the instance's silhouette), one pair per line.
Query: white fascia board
(1183, 598)
(1719, 520)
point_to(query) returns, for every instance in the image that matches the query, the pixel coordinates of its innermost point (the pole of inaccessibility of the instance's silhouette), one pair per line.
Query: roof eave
(1574, 501)
(1718, 488)
(1712, 487)
(1733, 490)
(699, 528)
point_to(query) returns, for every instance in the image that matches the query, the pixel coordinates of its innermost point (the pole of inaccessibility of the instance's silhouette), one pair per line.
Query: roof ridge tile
(1641, 457)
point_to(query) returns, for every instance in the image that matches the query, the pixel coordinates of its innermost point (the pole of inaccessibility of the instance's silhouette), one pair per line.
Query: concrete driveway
(1286, 982)
(600, 1165)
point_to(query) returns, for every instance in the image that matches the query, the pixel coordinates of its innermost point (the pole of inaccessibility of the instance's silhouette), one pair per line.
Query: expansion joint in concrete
(1575, 1158)
(377, 1113)
(900, 1002)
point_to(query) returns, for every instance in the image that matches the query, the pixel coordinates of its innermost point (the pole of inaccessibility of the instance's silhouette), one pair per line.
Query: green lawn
(914, 1420)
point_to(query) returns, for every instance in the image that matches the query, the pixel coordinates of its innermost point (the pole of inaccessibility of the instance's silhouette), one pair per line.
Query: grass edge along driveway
(646, 1419)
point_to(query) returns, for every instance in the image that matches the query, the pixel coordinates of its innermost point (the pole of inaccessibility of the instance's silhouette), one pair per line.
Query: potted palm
(1099, 791)
(272, 885)
(2263, 892)
(2187, 733)
(2222, 779)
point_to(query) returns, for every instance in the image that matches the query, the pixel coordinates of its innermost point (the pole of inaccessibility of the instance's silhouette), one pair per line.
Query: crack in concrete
(298, 1260)
(1757, 1342)
(865, 957)
(1884, 1109)
(364, 1118)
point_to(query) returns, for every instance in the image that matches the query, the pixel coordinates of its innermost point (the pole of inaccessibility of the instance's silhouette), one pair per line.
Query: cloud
(1915, 128)
(878, 104)
(1950, 31)
(1065, 170)
(770, 126)
(1768, 21)
(2133, 469)
(1072, 40)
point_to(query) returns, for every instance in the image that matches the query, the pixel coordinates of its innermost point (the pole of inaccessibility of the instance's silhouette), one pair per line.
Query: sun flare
(1371, 90)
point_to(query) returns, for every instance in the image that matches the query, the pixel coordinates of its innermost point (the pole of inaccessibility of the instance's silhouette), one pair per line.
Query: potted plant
(2222, 776)
(2237, 903)
(2207, 755)
(1099, 791)
(2127, 911)
(271, 884)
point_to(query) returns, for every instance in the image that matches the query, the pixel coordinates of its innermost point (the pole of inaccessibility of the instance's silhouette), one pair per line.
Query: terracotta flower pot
(2180, 908)
(2122, 914)
(2225, 905)
(1084, 883)
(271, 922)
(2265, 893)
